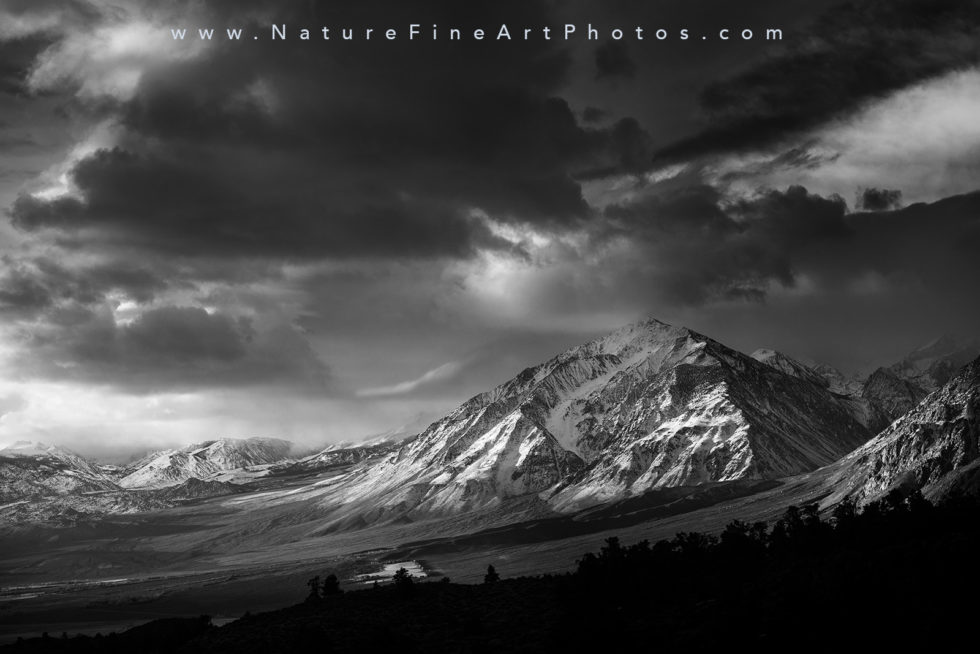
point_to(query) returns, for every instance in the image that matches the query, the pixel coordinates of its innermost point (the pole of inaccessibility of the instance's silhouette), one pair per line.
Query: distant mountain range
(45, 483)
(212, 460)
(30, 470)
(888, 392)
(647, 407)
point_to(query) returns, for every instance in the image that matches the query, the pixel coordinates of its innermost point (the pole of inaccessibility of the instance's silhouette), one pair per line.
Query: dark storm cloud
(63, 317)
(307, 149)
(628, 150)
(30, 286)
(187, 334)
(16, 58)
(690, 248)
(879, 199)
(194, 208)
(69, 13)
(702, 250)
(612, 59)
(167, 348)
(340, 155)
(856, 52)
(902, 278)
(933, 244)
(593, 114)
(21, 292)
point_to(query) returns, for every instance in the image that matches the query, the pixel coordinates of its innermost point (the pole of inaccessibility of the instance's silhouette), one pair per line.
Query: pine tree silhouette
(331, 586)
(314, 586)
(403, 581)
(491, 575)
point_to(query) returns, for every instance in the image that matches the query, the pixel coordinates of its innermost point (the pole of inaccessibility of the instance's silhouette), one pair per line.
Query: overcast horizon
(203, 238)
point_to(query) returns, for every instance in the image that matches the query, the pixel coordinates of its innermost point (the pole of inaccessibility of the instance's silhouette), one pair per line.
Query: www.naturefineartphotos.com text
(418, 32)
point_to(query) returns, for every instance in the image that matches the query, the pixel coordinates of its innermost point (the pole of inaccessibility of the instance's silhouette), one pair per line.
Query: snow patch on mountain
(228, 459)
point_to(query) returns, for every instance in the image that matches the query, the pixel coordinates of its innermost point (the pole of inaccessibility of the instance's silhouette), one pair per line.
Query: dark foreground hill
(899, 575)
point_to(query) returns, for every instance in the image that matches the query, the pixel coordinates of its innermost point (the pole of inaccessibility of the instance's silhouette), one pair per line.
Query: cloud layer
(216, 227)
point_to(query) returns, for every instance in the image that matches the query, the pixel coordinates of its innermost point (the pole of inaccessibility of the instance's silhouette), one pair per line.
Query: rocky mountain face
(30, 470)
(933, 447)
(893, 391)
(204, 461)
(343, 454)
(645, 407)
(934, 364)
(886, 395)
(797, 369)
(888, 392)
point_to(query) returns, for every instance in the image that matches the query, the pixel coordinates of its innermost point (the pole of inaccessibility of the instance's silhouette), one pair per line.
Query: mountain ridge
(925, 449)
(29, 469)
(581, 428)
(206, 461)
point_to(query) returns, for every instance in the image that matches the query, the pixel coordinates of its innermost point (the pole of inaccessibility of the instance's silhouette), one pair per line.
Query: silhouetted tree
(740, 539)
(845, 513)
(894, 501)
(612, 550)
(403, 581)
(314, 586)
(918, 504)
(786, 533)
(331, 586)
(693, 544)
(491, 575)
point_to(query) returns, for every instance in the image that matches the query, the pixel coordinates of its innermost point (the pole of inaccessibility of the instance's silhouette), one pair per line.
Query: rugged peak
(790, 366)
(639, 336)
(649, 343)
(933, 447)
(646, 406)
(933, 364)
(968, 374)
(31, 469)
(206, 460)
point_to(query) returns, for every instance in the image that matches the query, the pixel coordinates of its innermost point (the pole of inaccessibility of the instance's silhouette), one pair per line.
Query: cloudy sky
(322, 240)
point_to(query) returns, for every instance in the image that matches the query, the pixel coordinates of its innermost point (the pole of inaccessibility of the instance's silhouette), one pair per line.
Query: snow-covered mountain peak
(652, 344)
(205, 461)
(646, 406)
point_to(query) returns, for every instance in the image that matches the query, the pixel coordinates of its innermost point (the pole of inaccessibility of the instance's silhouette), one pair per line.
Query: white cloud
(444, 372)
(110, 60)
(924, 141)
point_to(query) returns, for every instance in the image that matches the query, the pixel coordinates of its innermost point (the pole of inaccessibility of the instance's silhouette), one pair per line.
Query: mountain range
(222, 460)
(647, 407)
(30, 470)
